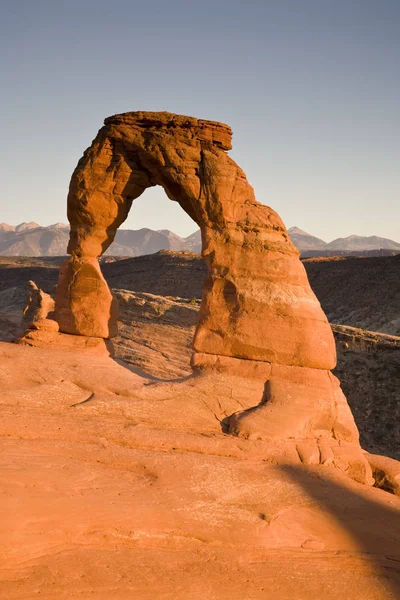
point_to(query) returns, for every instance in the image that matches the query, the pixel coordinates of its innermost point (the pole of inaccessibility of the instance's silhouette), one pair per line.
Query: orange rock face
(84, 303)
(257, 302)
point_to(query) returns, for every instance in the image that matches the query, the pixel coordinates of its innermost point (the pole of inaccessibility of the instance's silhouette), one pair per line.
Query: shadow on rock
(372, 521)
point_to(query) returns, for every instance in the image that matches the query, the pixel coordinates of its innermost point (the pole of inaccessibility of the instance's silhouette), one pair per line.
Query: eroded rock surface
(85, 304)
(39, 306)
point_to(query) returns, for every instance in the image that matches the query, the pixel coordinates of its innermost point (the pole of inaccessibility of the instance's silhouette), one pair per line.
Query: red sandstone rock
(118, 487)
(38, 306)
(226, 364)
(46, 338)
(84, 303)
(44, 325)
(386, 472)
(299, 403)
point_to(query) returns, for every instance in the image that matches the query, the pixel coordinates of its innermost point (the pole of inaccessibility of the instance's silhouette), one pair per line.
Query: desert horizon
(32, 239)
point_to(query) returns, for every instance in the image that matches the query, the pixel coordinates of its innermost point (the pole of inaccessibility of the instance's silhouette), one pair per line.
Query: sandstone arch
(257, 302)
(258, 314)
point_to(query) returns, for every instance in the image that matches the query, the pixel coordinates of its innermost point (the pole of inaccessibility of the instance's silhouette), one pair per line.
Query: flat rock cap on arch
(217, 133)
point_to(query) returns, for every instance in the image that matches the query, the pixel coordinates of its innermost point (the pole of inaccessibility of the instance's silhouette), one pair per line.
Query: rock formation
(41, 329)
(39, 307)
(258, 310)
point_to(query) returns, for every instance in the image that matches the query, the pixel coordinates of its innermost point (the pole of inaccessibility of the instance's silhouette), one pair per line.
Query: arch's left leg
(101, 192)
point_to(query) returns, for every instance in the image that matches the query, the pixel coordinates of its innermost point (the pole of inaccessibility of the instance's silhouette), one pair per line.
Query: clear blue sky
(311, 89)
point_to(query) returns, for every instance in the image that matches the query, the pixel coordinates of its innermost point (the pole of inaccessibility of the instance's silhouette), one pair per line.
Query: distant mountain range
(354, 243)
(31, 239)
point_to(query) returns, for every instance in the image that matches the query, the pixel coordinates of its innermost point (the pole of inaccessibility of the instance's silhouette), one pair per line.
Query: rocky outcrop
(257, 302)
(38, 310)
(38, 306)
(41, 330)
(386, 472)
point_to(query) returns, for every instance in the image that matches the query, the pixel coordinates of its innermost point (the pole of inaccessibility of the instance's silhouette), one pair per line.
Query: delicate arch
(257, 302)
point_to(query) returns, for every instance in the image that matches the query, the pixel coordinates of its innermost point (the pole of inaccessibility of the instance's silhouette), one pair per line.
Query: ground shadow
(373, 525)
(146, 375)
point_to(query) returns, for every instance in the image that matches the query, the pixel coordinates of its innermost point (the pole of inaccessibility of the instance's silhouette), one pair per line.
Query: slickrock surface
(114, 486)
(155, 333)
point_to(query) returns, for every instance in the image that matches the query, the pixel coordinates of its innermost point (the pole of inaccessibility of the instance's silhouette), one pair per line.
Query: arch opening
(154, 210)
(158, 289)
